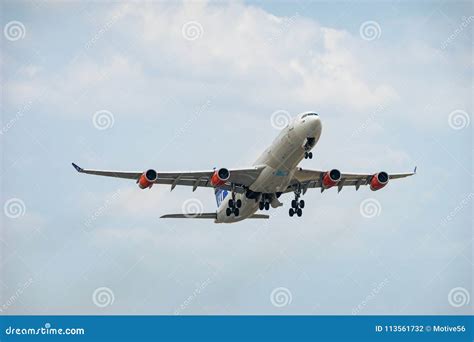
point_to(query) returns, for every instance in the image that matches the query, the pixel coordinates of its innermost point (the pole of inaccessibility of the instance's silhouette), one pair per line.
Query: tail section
(221, 194)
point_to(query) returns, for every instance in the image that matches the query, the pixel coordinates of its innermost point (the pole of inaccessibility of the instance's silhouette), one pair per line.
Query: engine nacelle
(378, 181)
(219, 177)
(147, 179)
(331, 178)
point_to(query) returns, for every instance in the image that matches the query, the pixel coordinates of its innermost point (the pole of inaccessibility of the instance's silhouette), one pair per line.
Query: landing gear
(234, 204)
(233, 207)
(308, 155)
(264, 203)
(296, 204)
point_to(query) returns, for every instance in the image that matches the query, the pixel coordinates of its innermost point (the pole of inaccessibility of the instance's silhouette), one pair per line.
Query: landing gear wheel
(310, 155)
(238, 203)
(299, 212)
(261, 205)
(267, 206)
(306, 155)
(291, 212)
(301, 204)
(228, 211)
(294, 204)
(236, 212)
(231, 203)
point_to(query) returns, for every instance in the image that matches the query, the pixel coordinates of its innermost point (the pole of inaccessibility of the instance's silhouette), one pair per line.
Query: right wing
(241, 178)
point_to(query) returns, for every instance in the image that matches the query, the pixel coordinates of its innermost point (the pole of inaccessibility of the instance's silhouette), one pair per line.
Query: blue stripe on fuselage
(221, 194)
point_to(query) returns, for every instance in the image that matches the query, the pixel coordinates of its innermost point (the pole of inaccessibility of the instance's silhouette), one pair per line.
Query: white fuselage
(279, 163)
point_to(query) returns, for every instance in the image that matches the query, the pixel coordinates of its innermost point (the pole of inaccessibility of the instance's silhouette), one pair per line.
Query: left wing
(239, 177)
(334, 178)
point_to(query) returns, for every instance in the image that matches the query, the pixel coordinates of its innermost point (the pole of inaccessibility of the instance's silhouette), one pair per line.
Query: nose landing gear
(310, 142)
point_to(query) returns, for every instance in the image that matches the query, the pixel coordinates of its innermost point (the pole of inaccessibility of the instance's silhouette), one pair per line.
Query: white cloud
(268, 59)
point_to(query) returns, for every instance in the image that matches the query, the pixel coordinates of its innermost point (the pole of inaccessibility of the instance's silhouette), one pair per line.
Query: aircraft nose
(314, 123)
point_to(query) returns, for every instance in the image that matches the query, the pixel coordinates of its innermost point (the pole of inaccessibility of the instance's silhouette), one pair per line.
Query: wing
(241, 178)
(314, 179)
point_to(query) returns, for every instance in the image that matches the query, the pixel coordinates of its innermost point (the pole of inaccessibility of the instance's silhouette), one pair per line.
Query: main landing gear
(297, 205)
(264, 203)
(234, 205)
(308, 155)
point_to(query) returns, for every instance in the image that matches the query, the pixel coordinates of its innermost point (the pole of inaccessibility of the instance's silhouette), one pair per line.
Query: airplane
(241, 192)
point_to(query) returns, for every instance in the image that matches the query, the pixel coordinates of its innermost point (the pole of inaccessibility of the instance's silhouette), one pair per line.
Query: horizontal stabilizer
(192, 216)
(259, 216)
(208, 216)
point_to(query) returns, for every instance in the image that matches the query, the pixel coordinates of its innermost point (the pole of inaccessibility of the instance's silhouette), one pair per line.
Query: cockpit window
(308, 114)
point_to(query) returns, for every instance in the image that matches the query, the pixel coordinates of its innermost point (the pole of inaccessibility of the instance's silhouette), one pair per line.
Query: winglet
(414, 171)
(78, 169)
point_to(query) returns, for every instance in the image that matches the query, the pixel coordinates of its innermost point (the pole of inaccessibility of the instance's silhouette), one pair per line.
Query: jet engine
(378, 181)
(219, 177)
(147, 179)
(331, 178)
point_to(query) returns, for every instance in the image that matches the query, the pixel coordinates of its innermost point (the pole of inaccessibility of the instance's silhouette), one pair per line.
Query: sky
(198, 85)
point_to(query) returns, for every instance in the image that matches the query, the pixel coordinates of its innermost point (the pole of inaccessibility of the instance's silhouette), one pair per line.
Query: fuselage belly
(279, 163)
